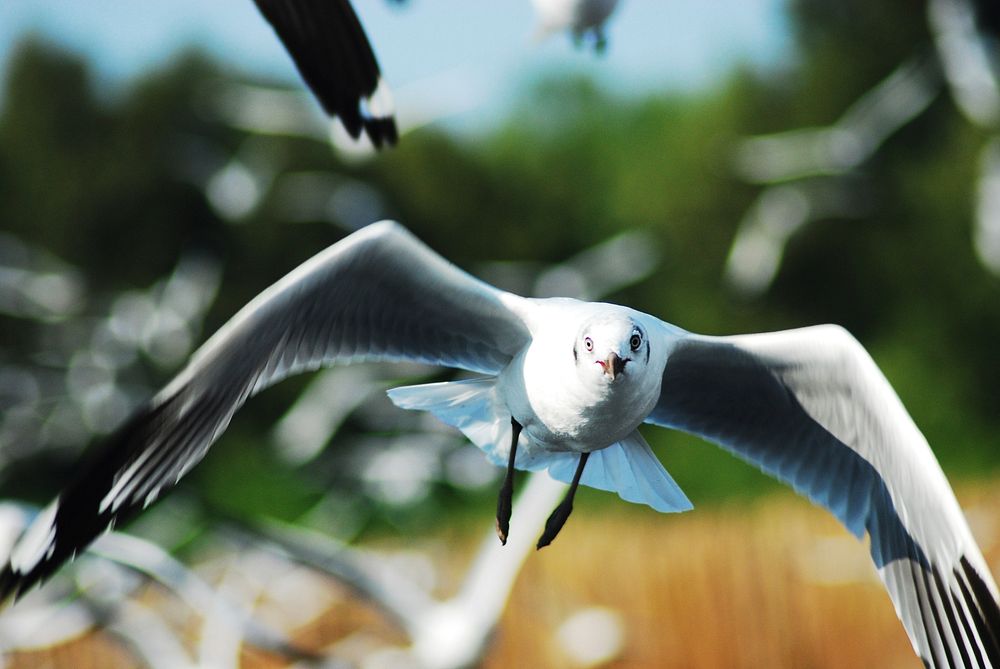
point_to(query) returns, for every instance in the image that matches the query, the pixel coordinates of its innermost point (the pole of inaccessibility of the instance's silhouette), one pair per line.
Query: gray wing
(378, 294)
(811, 408)
(334, 57)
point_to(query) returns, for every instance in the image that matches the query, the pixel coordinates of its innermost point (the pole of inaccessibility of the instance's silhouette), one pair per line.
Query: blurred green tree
(116, 183)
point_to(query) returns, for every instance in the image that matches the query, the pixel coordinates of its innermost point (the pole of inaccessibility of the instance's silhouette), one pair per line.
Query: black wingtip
(328, 45)
(381, 131)
(75, 518)
(984, 608)
(14, 585)
(9, 587)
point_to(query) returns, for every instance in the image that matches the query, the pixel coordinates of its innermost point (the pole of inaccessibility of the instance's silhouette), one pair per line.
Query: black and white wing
(333, 55)
(379, 294)
(811, 408)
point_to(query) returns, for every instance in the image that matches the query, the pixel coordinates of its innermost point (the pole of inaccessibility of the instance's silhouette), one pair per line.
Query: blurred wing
(332, 53)
(811, 408)
(379, 294)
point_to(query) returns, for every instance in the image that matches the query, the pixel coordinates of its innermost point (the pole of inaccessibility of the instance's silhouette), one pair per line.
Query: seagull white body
(807, 406)
(568, 406)
(565, 400)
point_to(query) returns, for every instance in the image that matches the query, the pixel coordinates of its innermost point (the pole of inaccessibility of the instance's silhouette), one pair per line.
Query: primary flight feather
(564, 386)
(331, 51)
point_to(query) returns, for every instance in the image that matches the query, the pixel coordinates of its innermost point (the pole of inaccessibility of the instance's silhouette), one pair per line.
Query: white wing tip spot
(151, 497)
(379, 104)
(38, 542)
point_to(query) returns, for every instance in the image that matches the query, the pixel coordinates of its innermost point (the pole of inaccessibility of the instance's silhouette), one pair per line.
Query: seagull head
(611, 347)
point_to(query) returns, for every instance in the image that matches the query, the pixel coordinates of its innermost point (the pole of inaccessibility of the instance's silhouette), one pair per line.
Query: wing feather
(378, 294)
(811, 408)
(332, 54)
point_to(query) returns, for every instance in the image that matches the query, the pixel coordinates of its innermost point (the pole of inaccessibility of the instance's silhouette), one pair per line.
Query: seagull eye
(589, 343)
(636, 341)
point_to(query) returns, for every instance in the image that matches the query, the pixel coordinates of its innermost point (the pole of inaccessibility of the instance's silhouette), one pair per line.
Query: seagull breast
(562, 409)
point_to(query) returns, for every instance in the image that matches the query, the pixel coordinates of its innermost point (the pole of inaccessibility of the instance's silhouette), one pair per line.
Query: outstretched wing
(378, 294)
(811, 408)
(332, 53)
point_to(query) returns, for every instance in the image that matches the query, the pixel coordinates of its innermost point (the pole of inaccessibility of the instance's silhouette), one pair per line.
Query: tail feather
(630, 469)
(468, 405)
(627, 468)
(474, 407)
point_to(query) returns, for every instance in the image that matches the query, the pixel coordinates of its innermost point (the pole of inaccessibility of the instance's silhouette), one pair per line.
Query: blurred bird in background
(333, 55)
(583, 19)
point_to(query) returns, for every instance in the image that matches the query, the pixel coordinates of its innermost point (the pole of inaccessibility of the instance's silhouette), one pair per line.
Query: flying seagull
(328, 45)
(563, 385)
(584, 19)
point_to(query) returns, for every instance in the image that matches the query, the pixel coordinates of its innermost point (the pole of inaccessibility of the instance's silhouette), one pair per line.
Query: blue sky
(456, 45)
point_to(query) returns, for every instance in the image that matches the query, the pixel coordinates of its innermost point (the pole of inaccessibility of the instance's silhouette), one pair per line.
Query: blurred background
(727, 166)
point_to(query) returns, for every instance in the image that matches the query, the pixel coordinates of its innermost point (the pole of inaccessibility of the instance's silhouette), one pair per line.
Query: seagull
(331, 51)
(563, 385)
(583, 19)
(329, 47)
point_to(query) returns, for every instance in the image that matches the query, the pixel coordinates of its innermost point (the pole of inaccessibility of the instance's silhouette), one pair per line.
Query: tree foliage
(116, 186)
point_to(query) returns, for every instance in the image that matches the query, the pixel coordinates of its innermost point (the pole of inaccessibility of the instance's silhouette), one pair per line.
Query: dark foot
(555, 523)
(504, 499)
(561, 513)
(503, 509)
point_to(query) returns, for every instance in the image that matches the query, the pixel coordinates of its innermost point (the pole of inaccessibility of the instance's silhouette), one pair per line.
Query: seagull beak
(614, 365)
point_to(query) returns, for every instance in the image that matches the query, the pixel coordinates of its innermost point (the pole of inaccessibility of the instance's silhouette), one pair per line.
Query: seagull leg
(600, 41)
(504, 499)
(561, 513)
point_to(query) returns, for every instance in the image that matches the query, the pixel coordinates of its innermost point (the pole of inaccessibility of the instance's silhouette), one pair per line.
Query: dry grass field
(774, 583)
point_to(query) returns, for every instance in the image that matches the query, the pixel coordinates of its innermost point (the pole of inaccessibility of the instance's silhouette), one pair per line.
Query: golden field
(772, 583)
